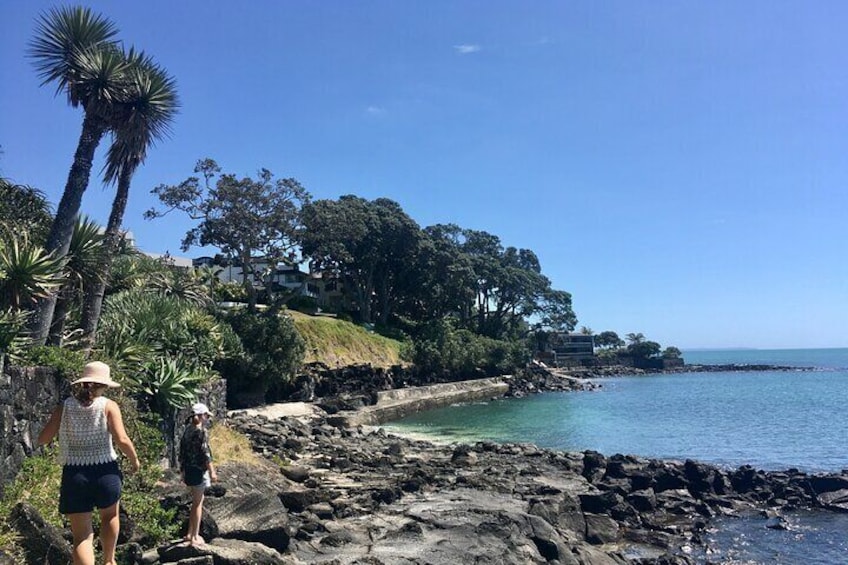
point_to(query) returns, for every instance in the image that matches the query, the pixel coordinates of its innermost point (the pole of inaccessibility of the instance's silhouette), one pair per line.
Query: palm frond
(143, 116)
(13, 341)
(29, 273)
(84, 251)
(99, 79)
(60, 33)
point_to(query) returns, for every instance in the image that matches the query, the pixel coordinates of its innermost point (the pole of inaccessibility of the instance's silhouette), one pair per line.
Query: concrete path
(281, 410)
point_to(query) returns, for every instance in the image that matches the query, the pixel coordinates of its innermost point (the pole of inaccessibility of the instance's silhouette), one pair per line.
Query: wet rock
(835, 500)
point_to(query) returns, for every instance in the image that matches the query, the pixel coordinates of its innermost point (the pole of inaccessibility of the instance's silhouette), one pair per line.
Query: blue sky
(679, 167)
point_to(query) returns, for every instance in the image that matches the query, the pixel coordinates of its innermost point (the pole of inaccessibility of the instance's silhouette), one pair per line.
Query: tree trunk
(95, 292)
(59, 239)
(384, 300)
(60, 314)
(249, 282)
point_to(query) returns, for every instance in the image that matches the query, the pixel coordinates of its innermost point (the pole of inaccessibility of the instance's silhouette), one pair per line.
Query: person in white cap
(87, 424)
(196, 467)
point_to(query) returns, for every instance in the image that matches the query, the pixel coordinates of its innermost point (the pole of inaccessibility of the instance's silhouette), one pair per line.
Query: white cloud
(375, 111)
(466, 48)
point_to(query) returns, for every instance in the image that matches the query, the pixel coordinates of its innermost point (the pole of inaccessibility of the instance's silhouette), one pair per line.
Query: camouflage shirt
(194, 448)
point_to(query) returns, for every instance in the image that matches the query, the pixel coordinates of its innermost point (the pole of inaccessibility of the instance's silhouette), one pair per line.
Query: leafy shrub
(67, 362)
(446, 352)
(167, 325)
(229, 292)
(273, 352)
(167, 384)
(12, 341)
(305, 304)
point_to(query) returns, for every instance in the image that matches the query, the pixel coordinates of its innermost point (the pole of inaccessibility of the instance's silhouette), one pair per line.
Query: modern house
(569, 350)
(283, 278)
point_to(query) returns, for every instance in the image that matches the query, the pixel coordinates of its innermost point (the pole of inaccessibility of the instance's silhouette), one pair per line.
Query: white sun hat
(97, 372)
(199, 409)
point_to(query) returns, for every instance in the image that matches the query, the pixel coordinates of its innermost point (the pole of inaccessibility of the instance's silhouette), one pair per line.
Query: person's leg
(195, 514)
(83, 553)
(110, 525)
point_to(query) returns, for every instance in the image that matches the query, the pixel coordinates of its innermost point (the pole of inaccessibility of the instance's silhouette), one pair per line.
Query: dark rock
(295, 473)
(600, 503)
(298, 500)
(594, 465)
(223, 552)
(42, 542)
(254, 516)
(828, 483)
(643, 500)
(601, 529)
(835, 500)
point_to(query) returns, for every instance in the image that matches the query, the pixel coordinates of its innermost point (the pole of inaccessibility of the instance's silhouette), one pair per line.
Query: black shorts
(85, 487)
(194, 477)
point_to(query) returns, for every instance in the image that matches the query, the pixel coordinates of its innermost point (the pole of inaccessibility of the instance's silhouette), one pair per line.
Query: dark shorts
(85, 487)
(194, 477)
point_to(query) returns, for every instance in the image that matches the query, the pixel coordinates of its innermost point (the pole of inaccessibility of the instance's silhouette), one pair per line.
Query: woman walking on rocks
(87, 423)
(196, 467)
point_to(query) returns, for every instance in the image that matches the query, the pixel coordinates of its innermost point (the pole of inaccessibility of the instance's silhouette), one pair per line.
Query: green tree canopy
(370, 245)
(254, 222)
(609, 340)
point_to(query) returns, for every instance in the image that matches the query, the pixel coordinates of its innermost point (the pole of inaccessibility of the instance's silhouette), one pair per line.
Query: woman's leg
(110, 526)
(195, 514)
(83, 553)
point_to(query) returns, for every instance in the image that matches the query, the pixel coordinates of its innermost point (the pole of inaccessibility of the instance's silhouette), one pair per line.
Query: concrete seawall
(397, 403)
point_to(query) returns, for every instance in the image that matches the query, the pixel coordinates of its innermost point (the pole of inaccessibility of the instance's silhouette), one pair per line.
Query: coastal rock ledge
(336, 495)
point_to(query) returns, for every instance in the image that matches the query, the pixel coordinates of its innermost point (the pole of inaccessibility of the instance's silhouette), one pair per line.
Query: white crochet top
(84, 437)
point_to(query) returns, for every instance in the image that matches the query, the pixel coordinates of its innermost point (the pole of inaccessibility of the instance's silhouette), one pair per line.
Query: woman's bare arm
(51, 428)
(119, 435)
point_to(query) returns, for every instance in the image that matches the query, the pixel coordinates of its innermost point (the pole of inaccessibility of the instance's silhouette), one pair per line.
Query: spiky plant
(28, 273)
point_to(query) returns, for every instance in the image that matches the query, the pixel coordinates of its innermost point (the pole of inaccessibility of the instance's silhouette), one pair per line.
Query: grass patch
(37, 483)
(229, 445)
(339, 343)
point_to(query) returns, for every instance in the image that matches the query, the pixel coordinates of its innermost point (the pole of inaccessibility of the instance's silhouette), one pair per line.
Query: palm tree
(75, 49)
(81, 272)
(140, 120)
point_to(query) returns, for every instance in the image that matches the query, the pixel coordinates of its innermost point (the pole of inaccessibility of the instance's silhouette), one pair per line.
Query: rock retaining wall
(397, 403)
(27, 397)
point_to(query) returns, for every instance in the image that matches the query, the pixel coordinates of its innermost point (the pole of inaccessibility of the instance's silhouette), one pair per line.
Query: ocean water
(771, 419)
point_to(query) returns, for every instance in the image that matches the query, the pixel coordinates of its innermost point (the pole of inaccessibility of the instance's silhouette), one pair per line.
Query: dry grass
(229, 445)
(339, 343)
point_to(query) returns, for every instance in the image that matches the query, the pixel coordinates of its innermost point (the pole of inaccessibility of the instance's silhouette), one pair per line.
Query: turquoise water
(771, 420)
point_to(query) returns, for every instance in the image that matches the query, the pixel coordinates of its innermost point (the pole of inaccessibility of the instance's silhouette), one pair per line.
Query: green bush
(165, 325)
(67, 362)
(441, 349)
(305, 304)
(229, 292)
(273, 352)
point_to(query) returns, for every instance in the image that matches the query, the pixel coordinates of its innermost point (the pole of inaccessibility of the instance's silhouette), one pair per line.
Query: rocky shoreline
(361, 495)
(326, 493)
